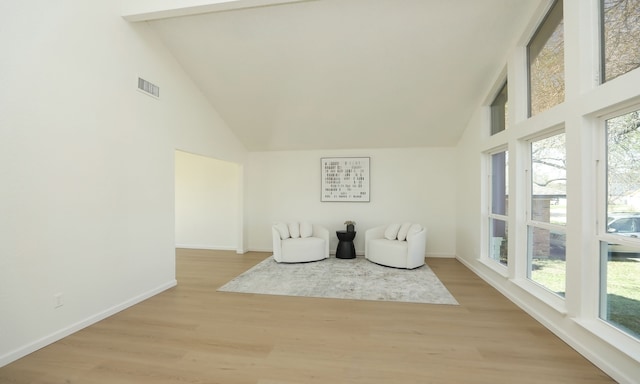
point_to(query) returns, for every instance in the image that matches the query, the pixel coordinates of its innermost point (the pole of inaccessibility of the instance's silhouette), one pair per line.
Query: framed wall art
(345, 179)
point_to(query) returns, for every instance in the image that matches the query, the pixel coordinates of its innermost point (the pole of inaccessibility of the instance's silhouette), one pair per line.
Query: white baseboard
(64, 332)
(270, 250)
(361, 253)
(588, 351)
(206, 246)
(440, 256)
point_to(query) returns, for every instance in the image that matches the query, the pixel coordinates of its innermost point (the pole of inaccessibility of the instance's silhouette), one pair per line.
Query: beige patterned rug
(342, 279)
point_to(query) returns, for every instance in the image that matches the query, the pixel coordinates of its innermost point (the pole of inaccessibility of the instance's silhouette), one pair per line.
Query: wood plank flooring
(193, 334)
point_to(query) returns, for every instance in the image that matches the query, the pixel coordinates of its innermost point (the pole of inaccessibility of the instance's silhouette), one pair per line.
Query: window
(620, 229)
(499, 109)
(546, 62)
(546, 261)
(498, 207)
(567, 237)
(620, 28)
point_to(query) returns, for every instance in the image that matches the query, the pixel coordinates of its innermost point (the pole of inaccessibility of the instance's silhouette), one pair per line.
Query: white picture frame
(345, 179)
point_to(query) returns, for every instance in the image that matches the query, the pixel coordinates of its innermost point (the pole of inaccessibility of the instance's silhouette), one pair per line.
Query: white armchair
(395, 245)
(297, 243)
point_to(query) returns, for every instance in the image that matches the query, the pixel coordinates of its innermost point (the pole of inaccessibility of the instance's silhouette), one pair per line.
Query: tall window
(620, 27)
(620, 229)
(498, 207)
(548, 213)
(546, 62)
(499, 109)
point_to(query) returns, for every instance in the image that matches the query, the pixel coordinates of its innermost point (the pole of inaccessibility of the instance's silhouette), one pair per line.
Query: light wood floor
(193, 334)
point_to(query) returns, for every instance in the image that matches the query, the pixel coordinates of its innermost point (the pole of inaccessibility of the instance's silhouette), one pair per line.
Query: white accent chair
(395, 245)
(299, 243)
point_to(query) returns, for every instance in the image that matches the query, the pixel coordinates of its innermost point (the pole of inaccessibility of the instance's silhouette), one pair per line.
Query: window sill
(618, 339)
(495, 266)
(549, 298)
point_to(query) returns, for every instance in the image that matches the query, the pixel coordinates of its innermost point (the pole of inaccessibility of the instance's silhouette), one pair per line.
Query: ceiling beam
(146, 10)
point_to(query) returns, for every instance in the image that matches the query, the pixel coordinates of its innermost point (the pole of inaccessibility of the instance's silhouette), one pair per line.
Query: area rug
(335, 278)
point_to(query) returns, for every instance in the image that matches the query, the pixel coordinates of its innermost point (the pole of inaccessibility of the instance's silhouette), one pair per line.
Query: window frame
(499, 107)
(602, 237)
(491, 216)
(530, 223)
(546, 29)
(602, 47)
(602, 180)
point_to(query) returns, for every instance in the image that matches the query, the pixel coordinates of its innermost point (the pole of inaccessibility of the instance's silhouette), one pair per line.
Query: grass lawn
(623, 287)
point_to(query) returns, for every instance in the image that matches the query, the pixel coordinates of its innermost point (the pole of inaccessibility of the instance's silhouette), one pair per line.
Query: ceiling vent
(148, 88)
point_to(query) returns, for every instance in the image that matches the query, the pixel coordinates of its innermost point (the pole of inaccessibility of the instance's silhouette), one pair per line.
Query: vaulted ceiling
(341, 74)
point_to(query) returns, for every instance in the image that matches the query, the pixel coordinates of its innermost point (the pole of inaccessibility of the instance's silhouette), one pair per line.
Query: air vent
(148, 88)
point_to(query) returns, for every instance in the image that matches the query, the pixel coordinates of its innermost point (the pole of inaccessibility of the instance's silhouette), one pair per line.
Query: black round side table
(346, 249)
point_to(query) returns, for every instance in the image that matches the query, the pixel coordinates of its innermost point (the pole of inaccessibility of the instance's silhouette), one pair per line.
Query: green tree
(621, 37)
(623, 161)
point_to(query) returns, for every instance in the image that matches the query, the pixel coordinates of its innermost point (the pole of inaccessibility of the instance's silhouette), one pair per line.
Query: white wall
(86, 166)
(207, 202)
(406, 185)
